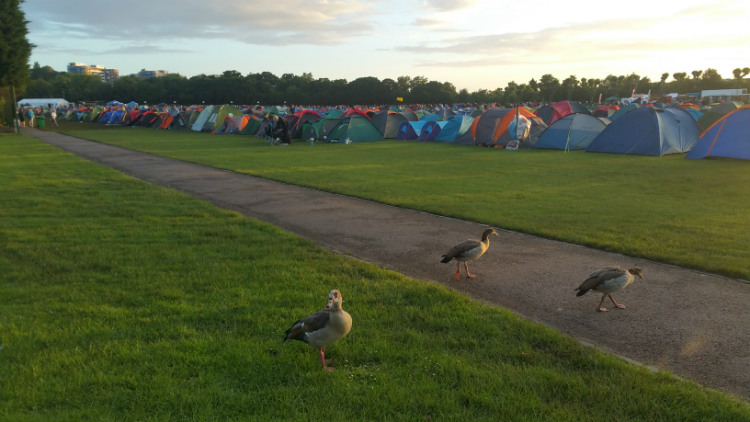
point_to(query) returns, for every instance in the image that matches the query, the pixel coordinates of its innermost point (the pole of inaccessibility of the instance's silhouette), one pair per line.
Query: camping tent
(455, 127)
(648, 131)
(572, 132)
(727, 137)
(409, 131)
(244, 124)
(715, 113)
(173, 121)
(387, 122)
(551, 113)
(495, 127)
(605, 110)
(298, 120)
(200, 121)
(623, 110)
(320, 129)
(355, 128)
(430, 130)
(694, 113)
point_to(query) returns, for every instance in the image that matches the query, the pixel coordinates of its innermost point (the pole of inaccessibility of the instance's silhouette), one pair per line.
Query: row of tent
(567, 125)
(722, 131)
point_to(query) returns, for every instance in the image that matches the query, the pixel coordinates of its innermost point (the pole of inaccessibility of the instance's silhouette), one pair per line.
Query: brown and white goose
(323, 327)
(468, 250)
(607, 281)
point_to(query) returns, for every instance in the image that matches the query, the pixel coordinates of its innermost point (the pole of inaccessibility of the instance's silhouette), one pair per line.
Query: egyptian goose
(607, 281)
(468, 250)
(323, 327)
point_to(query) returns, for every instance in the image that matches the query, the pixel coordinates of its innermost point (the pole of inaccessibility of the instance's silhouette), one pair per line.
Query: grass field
(128, 301)
(691, 213)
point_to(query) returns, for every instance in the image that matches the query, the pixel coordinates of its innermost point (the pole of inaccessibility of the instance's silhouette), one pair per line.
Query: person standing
(30, 116)
(53, 115)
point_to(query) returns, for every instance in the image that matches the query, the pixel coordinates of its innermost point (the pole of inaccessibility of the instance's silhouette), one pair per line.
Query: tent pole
(567, 141)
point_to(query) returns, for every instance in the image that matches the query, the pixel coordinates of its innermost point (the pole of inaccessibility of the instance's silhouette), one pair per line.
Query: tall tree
(548, 86)
(15, 50)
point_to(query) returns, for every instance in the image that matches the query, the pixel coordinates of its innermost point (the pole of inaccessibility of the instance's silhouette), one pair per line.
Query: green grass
(128, 301)
(691, 213)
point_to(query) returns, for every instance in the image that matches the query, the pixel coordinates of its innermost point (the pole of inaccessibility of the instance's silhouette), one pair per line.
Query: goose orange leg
(323, 360)
(602, 308)
(458, 270)
(617, 305)
(468, 274)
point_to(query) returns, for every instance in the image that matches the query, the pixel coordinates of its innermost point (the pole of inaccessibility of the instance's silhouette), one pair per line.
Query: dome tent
(572, 132)
(728, 137)
(648, 131)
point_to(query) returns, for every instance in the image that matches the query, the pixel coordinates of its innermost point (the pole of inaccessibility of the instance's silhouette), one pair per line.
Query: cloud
(280, 23)
(595, 41)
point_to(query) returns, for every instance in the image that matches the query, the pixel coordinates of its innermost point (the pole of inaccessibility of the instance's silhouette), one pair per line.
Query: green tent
(200, 121)
(355, 128)
(322, 128)
(216, 117)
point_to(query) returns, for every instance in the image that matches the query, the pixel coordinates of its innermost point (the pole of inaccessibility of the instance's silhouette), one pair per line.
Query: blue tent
(727, 137)
(410, 130)
(695, 114)
(454, 128)
(430, 130)
(648, 131)
(572, 132)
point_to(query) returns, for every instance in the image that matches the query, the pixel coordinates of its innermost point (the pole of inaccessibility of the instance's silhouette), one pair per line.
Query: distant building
(151, 73)
(711, 96)
(107, 75)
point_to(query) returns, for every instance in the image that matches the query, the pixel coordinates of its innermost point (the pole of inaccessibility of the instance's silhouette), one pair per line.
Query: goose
(323, 327)
(607, 281)
(468, 250)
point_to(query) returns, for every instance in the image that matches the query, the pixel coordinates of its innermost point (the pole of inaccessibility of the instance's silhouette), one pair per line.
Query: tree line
(266, 88)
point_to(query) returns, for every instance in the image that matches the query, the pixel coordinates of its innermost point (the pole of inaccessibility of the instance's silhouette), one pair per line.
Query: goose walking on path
(323, 327)
(468, 250)
(607, 281)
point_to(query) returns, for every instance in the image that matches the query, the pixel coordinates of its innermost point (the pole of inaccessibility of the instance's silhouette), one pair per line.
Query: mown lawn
(691, 213)
(128, 301)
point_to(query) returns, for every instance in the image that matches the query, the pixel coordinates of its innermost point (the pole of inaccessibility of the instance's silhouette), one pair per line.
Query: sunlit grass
(691, 213)
(127, 301)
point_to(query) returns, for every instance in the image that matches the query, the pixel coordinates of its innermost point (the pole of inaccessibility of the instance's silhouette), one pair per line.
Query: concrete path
(693, 324)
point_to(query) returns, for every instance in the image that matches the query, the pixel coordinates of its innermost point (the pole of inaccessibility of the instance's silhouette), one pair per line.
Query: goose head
(636, 271)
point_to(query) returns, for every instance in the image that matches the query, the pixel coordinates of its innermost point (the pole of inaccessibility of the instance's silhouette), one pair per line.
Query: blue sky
(473, 44)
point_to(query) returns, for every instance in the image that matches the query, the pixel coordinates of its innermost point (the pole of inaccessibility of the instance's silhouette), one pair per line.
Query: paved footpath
(693, 324)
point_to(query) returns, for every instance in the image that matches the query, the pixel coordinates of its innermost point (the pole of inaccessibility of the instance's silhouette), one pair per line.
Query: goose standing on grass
(468, 250)
(323, 327)
(607, 281)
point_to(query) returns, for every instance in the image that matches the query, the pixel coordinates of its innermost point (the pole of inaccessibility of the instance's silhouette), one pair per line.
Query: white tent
(46, 102)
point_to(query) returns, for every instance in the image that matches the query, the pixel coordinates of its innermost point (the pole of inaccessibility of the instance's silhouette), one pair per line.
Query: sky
(472, 44)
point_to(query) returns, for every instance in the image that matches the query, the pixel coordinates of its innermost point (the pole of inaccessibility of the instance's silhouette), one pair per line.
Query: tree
(548, 86)
(711, 79)
(15, 50)
(679, 76)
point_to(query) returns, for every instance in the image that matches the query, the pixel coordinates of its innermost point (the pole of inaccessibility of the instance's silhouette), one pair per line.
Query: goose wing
(461, 249)
(310, 324)
(599, 277)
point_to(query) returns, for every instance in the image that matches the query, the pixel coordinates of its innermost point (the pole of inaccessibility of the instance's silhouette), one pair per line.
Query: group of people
(30, 114)
(278, 129)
